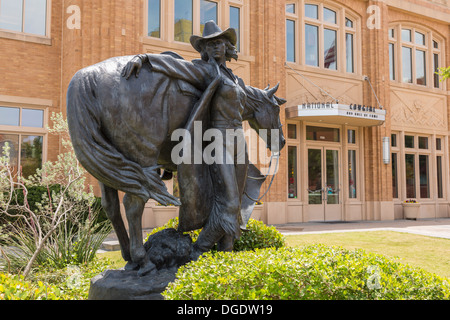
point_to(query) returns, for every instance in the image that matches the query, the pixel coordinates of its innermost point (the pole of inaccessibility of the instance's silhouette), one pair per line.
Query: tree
(444, 73)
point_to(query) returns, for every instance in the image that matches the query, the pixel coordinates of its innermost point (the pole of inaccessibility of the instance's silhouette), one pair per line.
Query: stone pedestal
(127, 285)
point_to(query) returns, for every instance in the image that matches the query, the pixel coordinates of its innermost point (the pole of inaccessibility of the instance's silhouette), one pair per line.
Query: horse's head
(263, 112)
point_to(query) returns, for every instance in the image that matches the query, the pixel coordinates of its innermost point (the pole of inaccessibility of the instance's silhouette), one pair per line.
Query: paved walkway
(431, 227)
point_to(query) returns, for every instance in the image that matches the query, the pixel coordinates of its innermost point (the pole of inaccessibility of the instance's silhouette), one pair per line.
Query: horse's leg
(110, 202)
(134, 207)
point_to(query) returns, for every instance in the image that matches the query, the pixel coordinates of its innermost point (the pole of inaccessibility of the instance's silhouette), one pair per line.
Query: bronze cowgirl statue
(225, 112)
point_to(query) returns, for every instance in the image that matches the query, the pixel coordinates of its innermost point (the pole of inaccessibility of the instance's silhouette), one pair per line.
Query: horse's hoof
(195, 254)
(146, 269)
(131, 266)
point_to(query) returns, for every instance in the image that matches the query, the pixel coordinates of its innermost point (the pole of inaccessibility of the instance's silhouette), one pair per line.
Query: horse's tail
(96, 153)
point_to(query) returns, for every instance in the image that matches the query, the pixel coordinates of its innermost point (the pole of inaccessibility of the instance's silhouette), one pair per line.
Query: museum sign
(336, 113)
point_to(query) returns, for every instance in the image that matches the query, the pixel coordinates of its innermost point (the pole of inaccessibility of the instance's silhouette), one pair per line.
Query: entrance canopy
(333, 113)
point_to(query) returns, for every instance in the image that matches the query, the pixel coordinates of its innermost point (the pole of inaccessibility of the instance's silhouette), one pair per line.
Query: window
(321, 37)
(292, 172)
(440, 167)
(420, 68)
(348, 23)
(394, 140)
(407, 64)
(409, 141)
(352, 174)
(235, 22)
(290, 40)
(419, 38)
(183, 28)
(350, 35)
(394, 176)
(410, 176)
(436, 64)
(16, 116)
(419, 56)
(290, 8)
(322, 134)
(351, 136)
(188, 17)
(311, 11)
(438, 144)
(329, 40)
(330, 46)
(436, 70)
(406, 35)
(208, 11)
(424, 167)
(312, 45)
(424, 176)
(154, 18)
(395, 165)
(25, 150)
(391, 61)
(439, 173)
(291, 32)
(423, 142)
(28, 16)
(292, 131)
(329, 15)
(22, 129)
(349, 52)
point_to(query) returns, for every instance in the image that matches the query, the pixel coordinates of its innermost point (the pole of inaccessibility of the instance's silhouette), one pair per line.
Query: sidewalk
(431, 227)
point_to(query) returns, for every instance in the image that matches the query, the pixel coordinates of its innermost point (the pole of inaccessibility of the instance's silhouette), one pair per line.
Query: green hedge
(14, 287)
(70, 283)
(312, 272)
(259, 236)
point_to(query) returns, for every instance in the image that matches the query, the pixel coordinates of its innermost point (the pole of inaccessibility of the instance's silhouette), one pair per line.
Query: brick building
(366, 118)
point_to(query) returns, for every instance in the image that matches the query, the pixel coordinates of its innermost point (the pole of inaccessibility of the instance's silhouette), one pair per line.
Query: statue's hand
(134, 64)
(215, 64)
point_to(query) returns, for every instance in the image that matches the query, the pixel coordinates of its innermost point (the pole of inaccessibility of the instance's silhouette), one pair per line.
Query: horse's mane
(255, 96)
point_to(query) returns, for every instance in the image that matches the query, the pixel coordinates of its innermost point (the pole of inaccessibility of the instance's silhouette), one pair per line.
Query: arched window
(414, 55)
(321, 35)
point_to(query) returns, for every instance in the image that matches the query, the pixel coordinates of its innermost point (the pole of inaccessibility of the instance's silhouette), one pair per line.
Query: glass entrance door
(324, 201)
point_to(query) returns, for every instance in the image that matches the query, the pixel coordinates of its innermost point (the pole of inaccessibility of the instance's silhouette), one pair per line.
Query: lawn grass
(115, 257)
(429, 253)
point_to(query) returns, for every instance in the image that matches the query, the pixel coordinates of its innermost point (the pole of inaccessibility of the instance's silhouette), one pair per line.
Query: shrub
(14, 287)
(313, 273)
(257, 236)
(70, 283)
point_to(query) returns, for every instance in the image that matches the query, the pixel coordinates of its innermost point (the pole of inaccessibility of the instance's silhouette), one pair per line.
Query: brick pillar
(267, 44)
(378, 176)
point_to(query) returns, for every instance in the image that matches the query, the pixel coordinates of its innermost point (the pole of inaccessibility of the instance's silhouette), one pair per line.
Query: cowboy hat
(212, 31)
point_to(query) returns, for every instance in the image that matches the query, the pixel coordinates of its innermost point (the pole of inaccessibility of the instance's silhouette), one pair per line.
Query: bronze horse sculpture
(121, 133)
